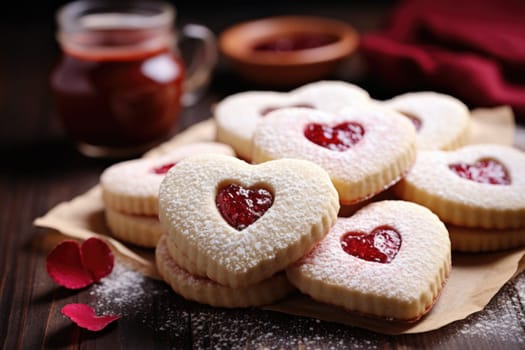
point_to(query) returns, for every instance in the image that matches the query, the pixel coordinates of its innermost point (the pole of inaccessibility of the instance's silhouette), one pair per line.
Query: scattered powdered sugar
(257, 329)
(519, 284)
(160, 312)
(120, 289)
(136, 298)
(500, 321)
(156, 312)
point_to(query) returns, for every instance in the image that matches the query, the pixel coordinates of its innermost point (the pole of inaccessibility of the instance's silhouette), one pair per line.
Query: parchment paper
(474, 280)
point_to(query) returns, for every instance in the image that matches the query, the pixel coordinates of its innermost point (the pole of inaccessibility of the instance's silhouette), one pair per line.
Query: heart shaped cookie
(240, 223)
(479, 186)
(237, 115)
(390, 260)
(364, 150)
(442, 121)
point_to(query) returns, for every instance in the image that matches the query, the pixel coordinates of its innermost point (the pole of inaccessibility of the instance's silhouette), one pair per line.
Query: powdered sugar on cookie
(376, 159)
(132, 186)
(238, 115)
(305, 205)
(474, 186)
(404, 287)
(442, 121)
(130, 192)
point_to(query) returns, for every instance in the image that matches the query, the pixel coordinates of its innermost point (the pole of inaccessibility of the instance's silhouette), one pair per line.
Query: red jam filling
(241, 206)
(338, 138)
(485, 171)
(295, 42)
(162, 169)
(267, 110)
(379, 246)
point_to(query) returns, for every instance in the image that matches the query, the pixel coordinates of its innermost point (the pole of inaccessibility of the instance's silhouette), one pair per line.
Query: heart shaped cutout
(241, 206)
(485, 171)
(75, 266)
(84, 316)
(381, 245)
(338, 138)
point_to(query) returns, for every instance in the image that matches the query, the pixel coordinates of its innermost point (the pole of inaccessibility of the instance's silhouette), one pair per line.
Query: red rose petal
(64, 265)
(84, 316)
(97, 258)
(75, 266)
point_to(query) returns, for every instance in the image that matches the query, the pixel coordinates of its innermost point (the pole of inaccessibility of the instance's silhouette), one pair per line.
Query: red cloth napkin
(472, 49)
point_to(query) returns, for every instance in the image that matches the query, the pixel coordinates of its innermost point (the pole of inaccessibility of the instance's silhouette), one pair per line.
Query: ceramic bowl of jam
(288, 51)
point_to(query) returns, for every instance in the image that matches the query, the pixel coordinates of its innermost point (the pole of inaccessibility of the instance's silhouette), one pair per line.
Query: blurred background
(34, 10)
(486, 37)
(29, 50)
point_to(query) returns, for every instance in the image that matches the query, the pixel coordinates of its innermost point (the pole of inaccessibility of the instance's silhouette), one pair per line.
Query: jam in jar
(118, 86)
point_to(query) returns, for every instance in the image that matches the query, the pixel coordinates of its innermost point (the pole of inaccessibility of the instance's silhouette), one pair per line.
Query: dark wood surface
(40, 168)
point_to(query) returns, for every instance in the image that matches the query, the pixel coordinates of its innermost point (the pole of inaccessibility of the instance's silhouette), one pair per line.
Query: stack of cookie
(232, 228)
(130, 193)
(240, 234)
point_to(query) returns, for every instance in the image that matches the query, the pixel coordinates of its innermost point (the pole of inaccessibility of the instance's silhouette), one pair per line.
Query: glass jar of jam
(119, 85)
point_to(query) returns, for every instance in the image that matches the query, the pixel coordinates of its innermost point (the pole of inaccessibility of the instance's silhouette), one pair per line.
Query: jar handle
(198, 72)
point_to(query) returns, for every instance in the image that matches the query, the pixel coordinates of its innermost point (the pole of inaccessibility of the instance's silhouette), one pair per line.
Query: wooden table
(40, 169)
